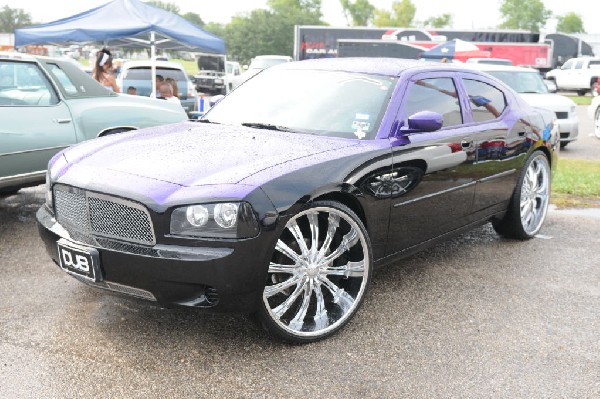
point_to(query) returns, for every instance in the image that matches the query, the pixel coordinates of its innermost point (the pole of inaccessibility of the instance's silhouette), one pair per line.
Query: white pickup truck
(578, 74)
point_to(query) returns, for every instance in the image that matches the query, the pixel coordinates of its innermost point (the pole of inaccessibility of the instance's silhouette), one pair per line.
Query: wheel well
(114, 130)
(348, 200)
(546, 153)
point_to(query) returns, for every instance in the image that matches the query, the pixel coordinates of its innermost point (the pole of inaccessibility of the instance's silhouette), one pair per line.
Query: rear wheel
(318, 275)
(581, 92)
(529, 203)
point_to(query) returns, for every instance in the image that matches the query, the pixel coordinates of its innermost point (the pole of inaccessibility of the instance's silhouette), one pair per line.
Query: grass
(582, 100)
(576, 183)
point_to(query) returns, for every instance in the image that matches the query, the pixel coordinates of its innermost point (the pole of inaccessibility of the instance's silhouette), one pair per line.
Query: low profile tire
(597, 123)
(319, 273)
(529, 203)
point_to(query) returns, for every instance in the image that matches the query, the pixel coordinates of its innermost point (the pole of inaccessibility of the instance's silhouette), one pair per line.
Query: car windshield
(328, 103)
(263, 63)
(522, 82)
(140, 78)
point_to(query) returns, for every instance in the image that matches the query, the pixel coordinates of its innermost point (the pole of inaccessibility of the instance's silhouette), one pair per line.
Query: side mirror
(423, 121)
(551, 86)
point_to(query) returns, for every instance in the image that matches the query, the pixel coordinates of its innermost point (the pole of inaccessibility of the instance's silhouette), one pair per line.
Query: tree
(524, 14)
(193, 18)
(13, 18)
(570, 23)
(441, 21)
(165, 5)
(402, 15)
(358, 12)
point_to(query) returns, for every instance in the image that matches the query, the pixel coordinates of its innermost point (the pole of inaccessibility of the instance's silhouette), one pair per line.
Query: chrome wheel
(535, 194)
(319, 273)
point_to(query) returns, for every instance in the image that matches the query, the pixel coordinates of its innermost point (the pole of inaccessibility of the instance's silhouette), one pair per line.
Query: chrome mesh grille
(72, 209)
(118, 220)
(85, 214)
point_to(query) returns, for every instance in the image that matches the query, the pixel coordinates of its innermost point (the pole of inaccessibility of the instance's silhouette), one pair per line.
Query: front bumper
(569, 129)
(222, 278)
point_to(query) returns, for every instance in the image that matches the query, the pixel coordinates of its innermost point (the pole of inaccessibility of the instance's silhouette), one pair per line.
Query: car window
(140, 78)
(578, 64)
(24, 84)
(337, 104)
(521, 82)
(594, 64)
(437, 95)
(567, 65)
(487, 102)
(63, 78)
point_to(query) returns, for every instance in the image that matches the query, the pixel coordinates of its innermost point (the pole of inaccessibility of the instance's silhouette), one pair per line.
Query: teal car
(47, 104)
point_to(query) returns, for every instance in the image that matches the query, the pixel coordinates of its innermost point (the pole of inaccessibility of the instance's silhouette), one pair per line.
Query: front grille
(84, 214)
(562, 115)
(120, 288)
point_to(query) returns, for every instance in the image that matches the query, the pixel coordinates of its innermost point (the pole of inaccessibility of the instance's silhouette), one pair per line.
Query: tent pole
(153, 62)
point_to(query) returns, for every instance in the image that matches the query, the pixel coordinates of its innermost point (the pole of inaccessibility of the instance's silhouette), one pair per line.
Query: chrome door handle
(466, 144)
(65, 120)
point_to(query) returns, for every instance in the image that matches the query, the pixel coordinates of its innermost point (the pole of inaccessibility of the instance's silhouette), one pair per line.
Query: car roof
(499, 68)
(379, 66)
(278, 57)
(147, 63)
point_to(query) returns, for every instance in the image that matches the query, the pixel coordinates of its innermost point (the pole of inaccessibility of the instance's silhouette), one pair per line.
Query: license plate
(79, 260)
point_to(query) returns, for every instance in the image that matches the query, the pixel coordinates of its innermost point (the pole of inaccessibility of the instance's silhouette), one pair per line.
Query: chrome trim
(435, 194)
(496, 176)
(22, 178)
(119, 288)
(59, 148)
(117, 127)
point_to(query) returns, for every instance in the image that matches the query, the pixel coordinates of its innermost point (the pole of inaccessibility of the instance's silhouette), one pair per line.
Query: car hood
(193, 154)
(553, 102)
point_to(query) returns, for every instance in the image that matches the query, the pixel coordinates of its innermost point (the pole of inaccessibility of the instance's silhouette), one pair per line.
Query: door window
(23, 84)
(487, 102)
(437, 95)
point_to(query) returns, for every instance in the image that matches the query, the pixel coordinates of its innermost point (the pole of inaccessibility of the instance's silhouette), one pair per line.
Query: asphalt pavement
(476, 317)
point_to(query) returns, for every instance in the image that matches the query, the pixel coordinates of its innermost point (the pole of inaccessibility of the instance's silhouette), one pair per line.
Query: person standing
(102, 70)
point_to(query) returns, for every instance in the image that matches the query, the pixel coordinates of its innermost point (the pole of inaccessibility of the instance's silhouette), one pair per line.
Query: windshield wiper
(268, 126)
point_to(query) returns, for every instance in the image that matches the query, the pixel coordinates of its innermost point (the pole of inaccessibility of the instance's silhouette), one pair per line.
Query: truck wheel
(581, 92)
(594, 89)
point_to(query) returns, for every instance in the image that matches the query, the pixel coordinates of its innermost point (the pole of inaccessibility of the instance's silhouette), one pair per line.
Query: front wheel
(529, 204)
(318, 275)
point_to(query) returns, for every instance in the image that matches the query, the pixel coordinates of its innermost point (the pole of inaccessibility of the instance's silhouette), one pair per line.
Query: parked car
(282, 202)
(491, 61)
(138, 74)
(232, 70)
(580, 74)
(259, 63)
(210, 79)
(47, 104)
(529, 84)
(594, 113)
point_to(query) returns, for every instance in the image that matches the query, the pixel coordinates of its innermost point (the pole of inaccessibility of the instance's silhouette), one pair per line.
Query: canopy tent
(124, 23)
(455, 49)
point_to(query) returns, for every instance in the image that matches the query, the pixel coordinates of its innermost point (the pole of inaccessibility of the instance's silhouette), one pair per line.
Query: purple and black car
(289, 192)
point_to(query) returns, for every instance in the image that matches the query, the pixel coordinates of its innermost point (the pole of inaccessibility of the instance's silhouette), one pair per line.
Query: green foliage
(570, 23)
(402, 15)
(165, 5)
(13, 18)
(269, 31)
(193, 18)
(441, 21)
(524, 14)
(358, 12)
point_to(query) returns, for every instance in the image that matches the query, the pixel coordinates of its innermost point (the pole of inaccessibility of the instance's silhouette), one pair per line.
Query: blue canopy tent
(124, 23)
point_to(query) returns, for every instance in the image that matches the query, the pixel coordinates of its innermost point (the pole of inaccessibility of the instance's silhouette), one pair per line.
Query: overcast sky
(467, 14)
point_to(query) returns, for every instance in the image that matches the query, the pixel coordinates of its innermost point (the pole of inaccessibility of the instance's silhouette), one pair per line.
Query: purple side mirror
(424, 121)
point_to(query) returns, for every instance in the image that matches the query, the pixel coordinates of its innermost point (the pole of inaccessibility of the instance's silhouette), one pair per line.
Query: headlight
(218, 220)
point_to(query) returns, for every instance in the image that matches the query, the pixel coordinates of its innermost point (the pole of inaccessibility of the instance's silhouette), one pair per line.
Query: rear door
(36, 123)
